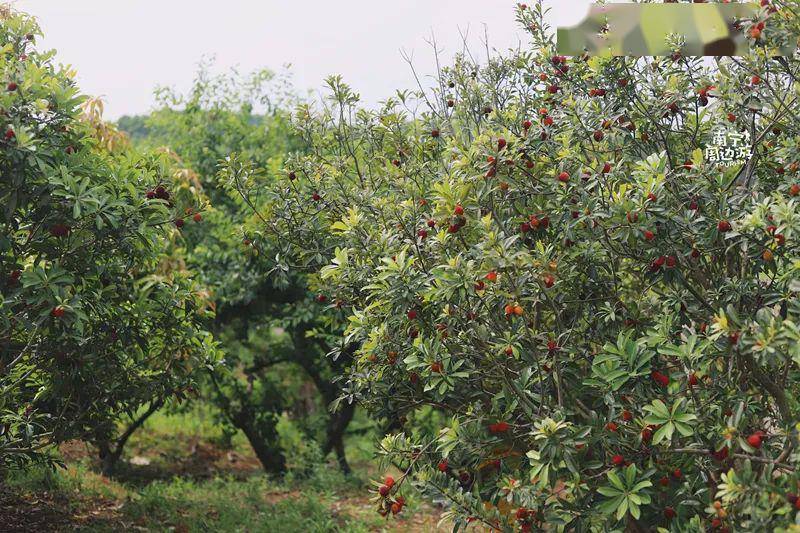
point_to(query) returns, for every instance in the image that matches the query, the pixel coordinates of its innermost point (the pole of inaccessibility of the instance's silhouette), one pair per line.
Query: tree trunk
(263, 439)
(270, 457)
(337, 424)
(111, 451)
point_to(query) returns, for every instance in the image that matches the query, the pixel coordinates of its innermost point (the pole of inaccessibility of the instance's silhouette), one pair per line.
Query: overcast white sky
(122, 49)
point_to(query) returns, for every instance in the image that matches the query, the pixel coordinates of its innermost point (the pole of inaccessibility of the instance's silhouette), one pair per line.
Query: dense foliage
(539, 249)
(262, 315)
(93, 323)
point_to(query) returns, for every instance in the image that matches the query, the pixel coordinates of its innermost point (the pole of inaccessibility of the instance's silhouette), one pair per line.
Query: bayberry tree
(94, 324)
(263, 315)
(541, 249)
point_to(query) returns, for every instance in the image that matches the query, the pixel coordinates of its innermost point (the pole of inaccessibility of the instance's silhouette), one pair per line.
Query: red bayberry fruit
(436, 367)
(627, 416)
(794, 190)
(659, 378)
(10, 134)
(549, 281)
(389, 481)
(606, 168)
(383, 490)
(491, 276)
(723, 226)
(321, 298)
(11, 87)
(316, 197)
(669, 513)
(197, 217)
(499, 427)
(459, 210)
(754, 440)
(598, 135)
(57, 312)
(501, 143)
(563, 177)
(442, 466)
(412, 315)
(617, 460)
(526, 125)
(611, 426)
(179, 223)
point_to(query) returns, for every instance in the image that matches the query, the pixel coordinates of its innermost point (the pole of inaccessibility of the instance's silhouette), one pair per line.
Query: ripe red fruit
(316, 197)
(389, 481)
(664, 481)
(450, 103)
(669, 513)
(622, 82)
(627, 416)
(459, 210)
(491, 276)
(501, 143)
(11, 87)
(57, 312)
(611, 426)
(10, 134)
(396, 508)
(434, 133)
(383, 490)
(549, 281)
(731, 117)
(412, 315)
(552, 346)
(723, 226)
(647, 434)
(606, 168)
(522, 514)
(563, 177)
(442, 466)
(453, 228)
(755, 80)
(422, 234)
(651, 197)
(321, 298)
(527, 125)
(509, 351)
(499, 427)
(794, 190)
(547, 121)
(598, 135)
(431, 223)
(436, 367)
(671, 261)
(197, 217)
(754, 440)
(649, 235)
(59, 230)
(179, 223)
(659, 378)
(617, 460)
(721, 454)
